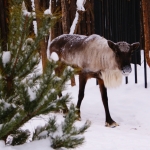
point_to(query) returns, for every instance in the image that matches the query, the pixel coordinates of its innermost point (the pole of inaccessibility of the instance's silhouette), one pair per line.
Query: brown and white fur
(98, 58)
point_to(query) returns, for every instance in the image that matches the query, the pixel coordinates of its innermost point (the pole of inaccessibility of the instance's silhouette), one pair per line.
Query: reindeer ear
(111, 44)
(135, 45)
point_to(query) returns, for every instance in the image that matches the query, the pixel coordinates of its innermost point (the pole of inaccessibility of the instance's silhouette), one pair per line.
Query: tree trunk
(4, 32)
(53, 9)
(3, 23)
(79, 15)
(43, 43)
(65, 26)
(65, 21)
(28, 5)
(146, 25)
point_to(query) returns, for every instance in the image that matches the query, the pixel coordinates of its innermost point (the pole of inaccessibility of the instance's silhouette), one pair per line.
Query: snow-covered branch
(80, 10)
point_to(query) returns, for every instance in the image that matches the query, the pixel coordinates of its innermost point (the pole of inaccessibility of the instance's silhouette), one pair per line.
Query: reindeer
(98, 58)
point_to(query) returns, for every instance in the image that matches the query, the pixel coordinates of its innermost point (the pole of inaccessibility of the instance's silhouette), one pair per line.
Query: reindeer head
(123, 52)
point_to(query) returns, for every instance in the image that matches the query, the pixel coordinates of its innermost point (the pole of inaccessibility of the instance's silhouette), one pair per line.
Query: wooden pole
(65, 26)
(146, 26)
(3, 24)
(28, 5)
(65, 18)
(43, 43)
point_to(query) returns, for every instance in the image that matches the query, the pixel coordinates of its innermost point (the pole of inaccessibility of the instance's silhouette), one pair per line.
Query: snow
(5, 104)
(33, 6)
(47, 12)
(54, 56)
(69, 68)
(35, 27)
(80, 7)
(32, 94)
(24, 10)
(6, 57)
(75, 21)
(48, 51)
(129, 107)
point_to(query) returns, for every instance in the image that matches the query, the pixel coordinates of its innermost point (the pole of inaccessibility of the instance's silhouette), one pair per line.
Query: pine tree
(25, 91)
(65, 134)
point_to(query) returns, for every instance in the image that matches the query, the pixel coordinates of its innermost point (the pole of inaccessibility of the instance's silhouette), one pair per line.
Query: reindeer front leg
(109, 121)
(82, 83)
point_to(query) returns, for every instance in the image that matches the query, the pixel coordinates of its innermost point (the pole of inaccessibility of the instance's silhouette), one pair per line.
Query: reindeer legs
(82, 83)
(109, 121)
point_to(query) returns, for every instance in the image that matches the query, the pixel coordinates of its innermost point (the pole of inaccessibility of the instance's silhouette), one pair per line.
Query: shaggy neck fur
(111, 78)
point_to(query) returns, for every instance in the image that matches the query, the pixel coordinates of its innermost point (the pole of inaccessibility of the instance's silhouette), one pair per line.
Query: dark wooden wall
(119, 20)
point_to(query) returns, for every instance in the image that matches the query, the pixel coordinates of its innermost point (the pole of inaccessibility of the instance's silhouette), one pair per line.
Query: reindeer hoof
(112, 125)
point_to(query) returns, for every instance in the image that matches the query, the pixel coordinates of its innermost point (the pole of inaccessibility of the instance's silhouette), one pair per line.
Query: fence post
(145, 71)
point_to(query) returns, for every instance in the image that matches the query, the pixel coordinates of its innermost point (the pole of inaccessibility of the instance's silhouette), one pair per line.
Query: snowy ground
(129, 106)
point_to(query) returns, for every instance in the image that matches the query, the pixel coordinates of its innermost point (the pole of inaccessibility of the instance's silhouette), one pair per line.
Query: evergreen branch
(27, 62)
(69, 120)
(7, 111)
(43, 132)
(40, 133)
(70, 136)
(21, 42)
(55, 105)
(67, 142)
(19, 137)
(29, 67)
(7, 128)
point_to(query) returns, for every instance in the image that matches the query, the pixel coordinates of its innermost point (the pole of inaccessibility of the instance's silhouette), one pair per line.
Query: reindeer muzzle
(126, 70)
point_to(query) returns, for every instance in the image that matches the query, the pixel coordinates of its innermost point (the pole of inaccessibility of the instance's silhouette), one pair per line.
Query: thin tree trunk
(72, 10)
(92, 17)
(65, 26)
(43, 43)
(65, 21)
(89, 6)
(79, 14)
(146, 25)
(53, 9)
(4, 32)
(28, 5)
(3, 24)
